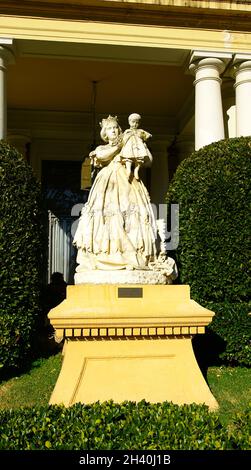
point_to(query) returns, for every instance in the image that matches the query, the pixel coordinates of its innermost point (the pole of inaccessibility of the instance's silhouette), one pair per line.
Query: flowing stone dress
(117, 229)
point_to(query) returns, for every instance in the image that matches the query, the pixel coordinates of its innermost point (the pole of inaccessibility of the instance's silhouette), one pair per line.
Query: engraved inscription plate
(130, 292)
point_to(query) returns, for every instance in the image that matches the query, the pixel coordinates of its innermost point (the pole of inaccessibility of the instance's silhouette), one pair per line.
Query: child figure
(134, 148)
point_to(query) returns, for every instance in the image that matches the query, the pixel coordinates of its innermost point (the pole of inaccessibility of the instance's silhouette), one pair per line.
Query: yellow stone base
(156, 370)
(122, 347)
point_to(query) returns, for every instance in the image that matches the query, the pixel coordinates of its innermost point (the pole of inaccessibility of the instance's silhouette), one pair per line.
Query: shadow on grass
(207, 349)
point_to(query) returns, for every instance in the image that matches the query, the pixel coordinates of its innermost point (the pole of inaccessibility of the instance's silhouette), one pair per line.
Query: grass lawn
(33, 387)
(231, 387)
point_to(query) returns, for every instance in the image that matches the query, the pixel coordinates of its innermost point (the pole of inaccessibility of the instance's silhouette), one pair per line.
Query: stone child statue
(134, 149)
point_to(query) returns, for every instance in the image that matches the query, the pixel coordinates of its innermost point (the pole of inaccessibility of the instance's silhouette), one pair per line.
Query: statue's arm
(104, 153)
(145, 135)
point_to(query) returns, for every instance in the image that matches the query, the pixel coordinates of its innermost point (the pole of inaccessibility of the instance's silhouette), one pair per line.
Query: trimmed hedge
(233, 324)
(212, 188)
(241, 430)
(21, 247)
(112, 426)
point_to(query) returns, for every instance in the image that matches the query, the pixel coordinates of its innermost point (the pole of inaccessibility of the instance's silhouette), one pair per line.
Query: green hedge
(21, 242)
(241, 430)
(212, 188)
(233, 324)
(122, 426)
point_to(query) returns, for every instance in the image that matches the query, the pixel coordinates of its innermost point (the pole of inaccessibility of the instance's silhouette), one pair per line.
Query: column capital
(241, 58)
(242, 72)
(200, 59)
(240, 62)
(7, 50)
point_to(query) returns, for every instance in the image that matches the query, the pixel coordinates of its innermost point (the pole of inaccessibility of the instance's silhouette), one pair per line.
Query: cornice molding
(130, 13)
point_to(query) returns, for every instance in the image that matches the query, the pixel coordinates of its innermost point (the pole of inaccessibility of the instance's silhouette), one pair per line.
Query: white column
(3, 101)
(243, 95)
(231, 123)
(6, 56)
(209, 123)
(228, 98)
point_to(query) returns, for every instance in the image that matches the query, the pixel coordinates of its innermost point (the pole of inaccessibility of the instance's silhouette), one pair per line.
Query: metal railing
(61, 252)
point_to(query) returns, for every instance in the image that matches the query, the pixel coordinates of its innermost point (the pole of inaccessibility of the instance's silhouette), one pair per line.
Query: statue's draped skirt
(117, 228)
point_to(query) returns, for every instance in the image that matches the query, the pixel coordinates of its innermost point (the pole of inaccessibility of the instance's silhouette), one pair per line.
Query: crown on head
(109, 119)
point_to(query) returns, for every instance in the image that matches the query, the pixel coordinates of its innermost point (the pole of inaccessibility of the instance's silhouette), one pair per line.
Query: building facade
(185, 66)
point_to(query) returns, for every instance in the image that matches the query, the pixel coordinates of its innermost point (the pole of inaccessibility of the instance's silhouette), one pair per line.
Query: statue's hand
(145, 135)
(94, 161)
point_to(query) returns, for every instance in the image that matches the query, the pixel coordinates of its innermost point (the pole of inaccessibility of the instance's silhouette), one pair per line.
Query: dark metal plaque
(130, 292)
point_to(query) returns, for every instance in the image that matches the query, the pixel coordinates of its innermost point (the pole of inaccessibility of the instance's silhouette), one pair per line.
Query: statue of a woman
(117, 229)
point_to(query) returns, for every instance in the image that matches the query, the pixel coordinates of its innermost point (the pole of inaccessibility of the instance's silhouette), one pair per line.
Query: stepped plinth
(130, 342)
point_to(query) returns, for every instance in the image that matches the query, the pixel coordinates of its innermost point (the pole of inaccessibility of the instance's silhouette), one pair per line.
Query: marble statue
(117, 231)
(134, 150)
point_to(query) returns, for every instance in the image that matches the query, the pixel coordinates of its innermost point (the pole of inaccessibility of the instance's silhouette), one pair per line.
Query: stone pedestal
(122, 276)
(130, 343)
